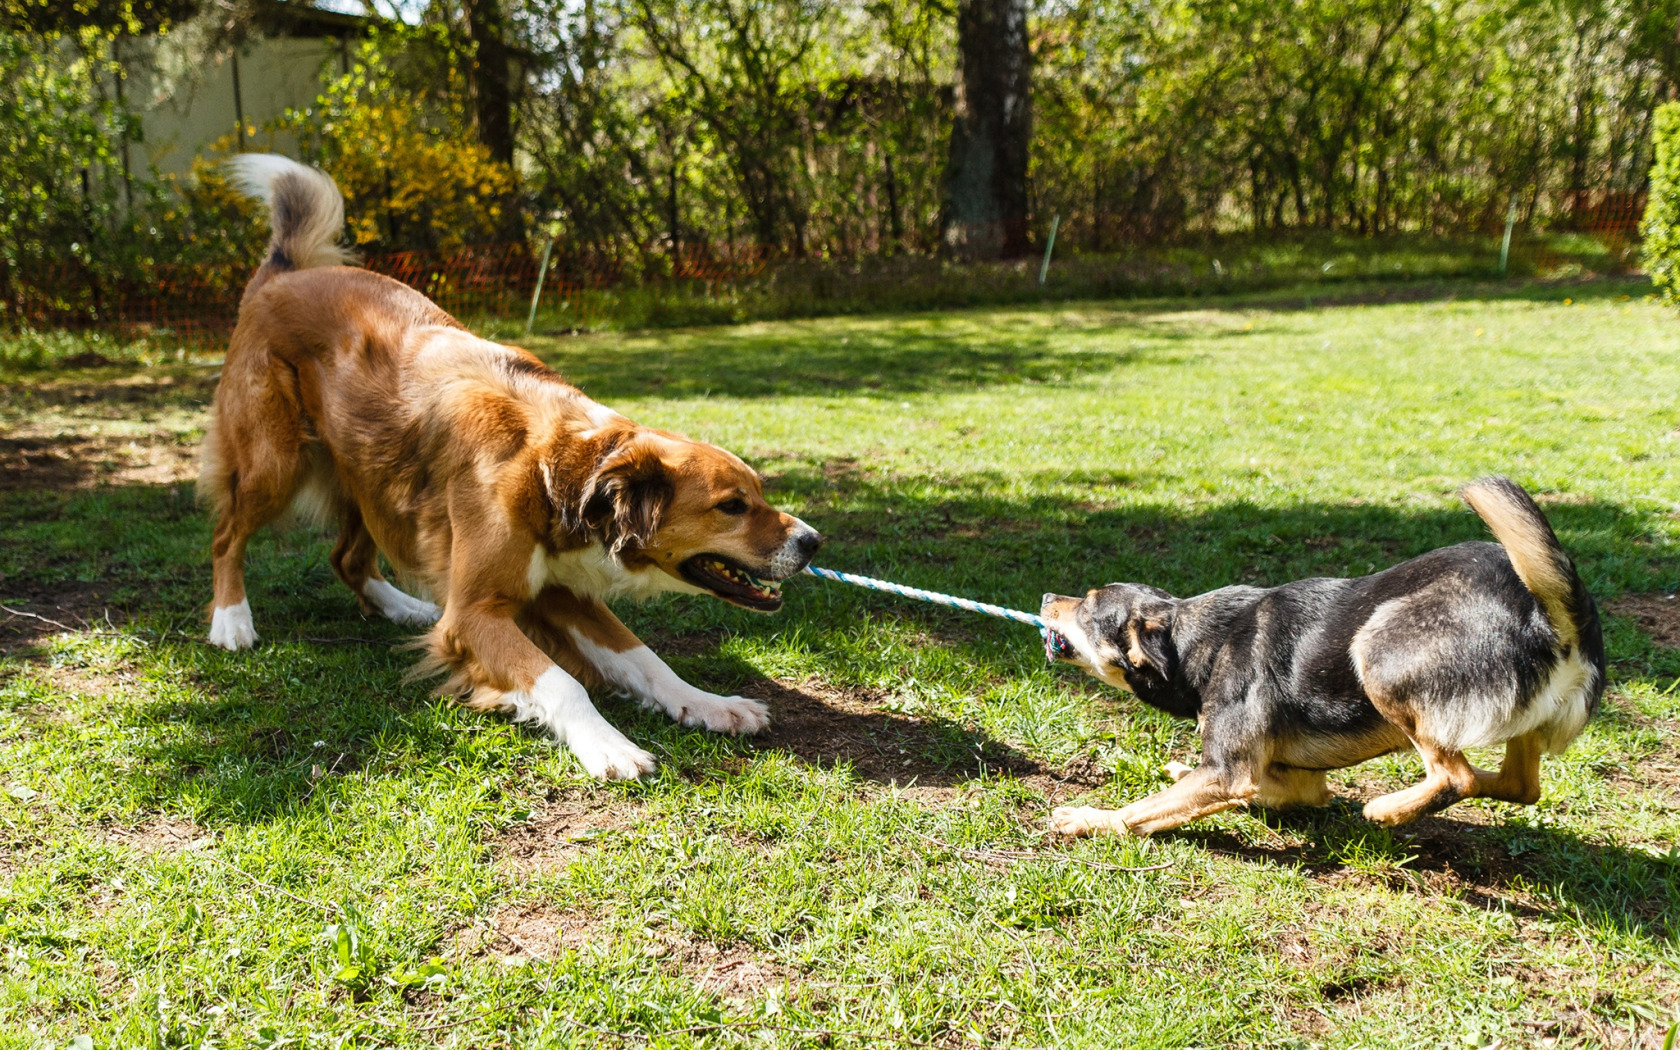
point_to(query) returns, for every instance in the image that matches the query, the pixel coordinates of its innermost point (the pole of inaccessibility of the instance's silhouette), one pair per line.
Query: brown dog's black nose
(809, 542)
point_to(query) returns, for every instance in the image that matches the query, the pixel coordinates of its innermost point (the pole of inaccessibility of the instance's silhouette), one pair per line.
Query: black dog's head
(1121, 634)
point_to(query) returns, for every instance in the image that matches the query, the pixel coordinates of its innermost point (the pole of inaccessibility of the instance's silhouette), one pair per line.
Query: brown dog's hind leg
(356, 561)
(1199, 793)
(355, 558)
(250, 480)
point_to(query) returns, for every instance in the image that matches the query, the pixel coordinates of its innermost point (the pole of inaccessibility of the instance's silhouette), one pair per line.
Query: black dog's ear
(1149, 640)
(625, 499)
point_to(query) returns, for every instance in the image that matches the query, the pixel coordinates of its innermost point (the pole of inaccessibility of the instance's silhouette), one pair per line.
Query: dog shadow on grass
(884, 355)
(931, 351)
(1512, 863)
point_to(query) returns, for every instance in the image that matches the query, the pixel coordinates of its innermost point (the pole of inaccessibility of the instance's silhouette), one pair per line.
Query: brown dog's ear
(1149, 641)
(625, 499)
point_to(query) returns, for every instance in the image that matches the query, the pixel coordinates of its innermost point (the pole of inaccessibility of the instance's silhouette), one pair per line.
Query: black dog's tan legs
(1448, 777)
(1451, 778)
(1518, 779)
(1283, 787)
(1200, 792)
(1197, 793)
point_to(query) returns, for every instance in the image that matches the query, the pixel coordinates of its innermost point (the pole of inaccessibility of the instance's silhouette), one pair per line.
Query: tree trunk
(492, 94)
(991, 135)
(493, 101)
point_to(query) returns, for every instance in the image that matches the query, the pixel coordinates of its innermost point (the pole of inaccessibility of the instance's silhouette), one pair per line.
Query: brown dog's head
(1121, 634)
(663, 503)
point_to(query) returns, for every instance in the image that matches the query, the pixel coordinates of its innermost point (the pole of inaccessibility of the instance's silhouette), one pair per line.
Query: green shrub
(1661, 228)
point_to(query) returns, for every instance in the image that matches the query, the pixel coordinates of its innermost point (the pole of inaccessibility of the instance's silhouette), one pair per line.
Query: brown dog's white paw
(609, 756)
(1176, 770)
(737, 715)
(231, 628)
(1079, 821)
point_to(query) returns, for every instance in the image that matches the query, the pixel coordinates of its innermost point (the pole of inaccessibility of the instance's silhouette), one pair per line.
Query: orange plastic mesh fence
(198, 305)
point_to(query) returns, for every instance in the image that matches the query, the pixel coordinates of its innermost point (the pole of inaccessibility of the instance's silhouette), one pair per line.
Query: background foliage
(398, 142)
(643, 129)
(1662, 218)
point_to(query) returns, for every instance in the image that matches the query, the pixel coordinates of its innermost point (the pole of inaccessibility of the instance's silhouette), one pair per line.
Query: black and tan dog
(1468, 646)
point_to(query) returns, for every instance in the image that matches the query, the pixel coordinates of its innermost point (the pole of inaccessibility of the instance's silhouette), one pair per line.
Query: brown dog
(519, 503)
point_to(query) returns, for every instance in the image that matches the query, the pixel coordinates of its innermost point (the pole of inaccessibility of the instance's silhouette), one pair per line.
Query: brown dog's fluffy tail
(1522, 529)
(305, 210)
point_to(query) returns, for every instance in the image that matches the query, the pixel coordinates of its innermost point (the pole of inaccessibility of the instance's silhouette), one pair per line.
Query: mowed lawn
(296, 847)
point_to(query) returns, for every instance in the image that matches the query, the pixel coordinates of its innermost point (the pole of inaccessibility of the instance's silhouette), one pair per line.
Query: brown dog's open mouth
(729, 580)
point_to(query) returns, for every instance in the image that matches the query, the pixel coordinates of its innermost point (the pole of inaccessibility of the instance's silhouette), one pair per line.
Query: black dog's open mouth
(729, 580)
(1056, 646)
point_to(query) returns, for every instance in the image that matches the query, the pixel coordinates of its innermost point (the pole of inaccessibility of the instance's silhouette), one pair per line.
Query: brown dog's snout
(808, 541)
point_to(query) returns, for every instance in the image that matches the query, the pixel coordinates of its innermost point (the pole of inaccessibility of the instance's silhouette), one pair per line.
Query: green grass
(293, 847)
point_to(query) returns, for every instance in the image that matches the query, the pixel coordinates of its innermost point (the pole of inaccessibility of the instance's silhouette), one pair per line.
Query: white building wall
(179, 122)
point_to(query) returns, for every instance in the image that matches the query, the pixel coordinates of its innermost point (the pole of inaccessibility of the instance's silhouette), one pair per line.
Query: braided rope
(927, 596)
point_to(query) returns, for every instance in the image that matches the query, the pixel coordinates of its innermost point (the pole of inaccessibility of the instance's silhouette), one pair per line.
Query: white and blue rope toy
(935, 597)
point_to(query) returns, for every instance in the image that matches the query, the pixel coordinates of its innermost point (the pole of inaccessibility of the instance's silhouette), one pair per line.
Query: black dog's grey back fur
(1280, 662)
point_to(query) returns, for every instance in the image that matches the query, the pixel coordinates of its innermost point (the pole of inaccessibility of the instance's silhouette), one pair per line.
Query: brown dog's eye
(733, 506)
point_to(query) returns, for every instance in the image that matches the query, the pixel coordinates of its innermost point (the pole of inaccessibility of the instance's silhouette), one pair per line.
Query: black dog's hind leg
(1449, 778)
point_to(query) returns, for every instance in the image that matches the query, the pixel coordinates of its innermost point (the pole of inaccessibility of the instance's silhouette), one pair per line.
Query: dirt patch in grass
(826, 725)
(541, 932)
(29, 614)
(731, 971)
(552, 838)
(530, 931)
(161, 834)
(71, 462)
(1658, 615)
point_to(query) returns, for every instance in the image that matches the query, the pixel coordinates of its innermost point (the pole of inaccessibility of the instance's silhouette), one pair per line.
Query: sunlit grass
(205, 849)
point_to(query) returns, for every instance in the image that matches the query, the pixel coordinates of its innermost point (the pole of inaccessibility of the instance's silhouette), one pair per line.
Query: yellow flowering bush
(412, 174)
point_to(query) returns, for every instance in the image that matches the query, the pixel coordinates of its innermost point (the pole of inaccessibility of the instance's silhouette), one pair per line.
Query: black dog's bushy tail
(1522, 529)
(305, 211)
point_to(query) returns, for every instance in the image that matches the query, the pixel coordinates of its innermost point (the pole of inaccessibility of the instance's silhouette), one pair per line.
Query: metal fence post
(536, 293)
(1505, 246)
(1049, 246)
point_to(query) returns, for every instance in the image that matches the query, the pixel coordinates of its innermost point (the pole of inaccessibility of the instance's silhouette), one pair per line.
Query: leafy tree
(55, 141)
(1662, 214)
